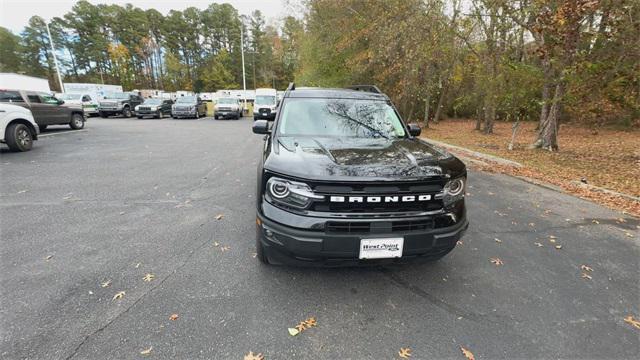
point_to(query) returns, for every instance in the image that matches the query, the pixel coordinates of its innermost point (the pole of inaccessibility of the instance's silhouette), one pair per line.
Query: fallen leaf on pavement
(585, 268)
(219, 216)
(48, 257)
(459, 242)
(532, 224)
(301, 327)
(137, 265)
(558, 247)
(293, 331)
(254, 255)
(106, 284)
(498, 240)
(552, 237)
(586, 276)
(538, 244)
(635, 323)
(251, 356)
(118, 296)
(404, 353)
(225, 248)
(310, 322)
(595, 221)
(173, 317)
(148, 277)
(552, 240)
(496, 261)
(468, 354)
(146, 351)
(216, 244)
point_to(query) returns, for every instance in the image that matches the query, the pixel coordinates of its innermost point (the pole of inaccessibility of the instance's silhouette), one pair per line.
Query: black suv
(343, 181)
(119, 103)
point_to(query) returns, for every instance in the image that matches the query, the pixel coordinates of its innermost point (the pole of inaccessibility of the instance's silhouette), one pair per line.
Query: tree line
(193, 49)
(541, 60)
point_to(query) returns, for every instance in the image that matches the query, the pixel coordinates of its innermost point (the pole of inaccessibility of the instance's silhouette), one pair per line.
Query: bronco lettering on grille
(380, 199)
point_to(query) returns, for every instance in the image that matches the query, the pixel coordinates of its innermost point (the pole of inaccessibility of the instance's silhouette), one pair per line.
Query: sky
(15, 14)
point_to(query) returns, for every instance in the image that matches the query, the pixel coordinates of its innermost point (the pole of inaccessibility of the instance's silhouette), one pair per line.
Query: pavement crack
(143, 296)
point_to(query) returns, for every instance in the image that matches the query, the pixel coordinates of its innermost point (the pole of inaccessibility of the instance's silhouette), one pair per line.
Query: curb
(492, 158)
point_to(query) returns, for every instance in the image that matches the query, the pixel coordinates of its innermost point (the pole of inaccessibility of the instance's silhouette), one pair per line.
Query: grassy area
(606, 158)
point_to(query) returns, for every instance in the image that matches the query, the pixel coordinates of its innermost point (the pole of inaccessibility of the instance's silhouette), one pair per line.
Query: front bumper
(226, 113)
(313, 246)
(184, 113)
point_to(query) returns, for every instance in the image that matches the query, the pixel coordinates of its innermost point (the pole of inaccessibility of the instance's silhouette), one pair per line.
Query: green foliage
(9, 51)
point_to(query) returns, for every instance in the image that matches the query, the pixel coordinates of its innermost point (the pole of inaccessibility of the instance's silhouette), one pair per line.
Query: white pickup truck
(17, 128)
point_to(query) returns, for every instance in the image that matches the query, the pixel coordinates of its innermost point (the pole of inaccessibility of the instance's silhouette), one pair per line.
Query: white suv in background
(18, 129)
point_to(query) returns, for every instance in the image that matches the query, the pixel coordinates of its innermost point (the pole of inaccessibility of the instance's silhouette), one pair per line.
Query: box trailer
(23, 82)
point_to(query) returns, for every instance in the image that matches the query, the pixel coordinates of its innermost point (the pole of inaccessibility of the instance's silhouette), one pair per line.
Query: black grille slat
(363, 227)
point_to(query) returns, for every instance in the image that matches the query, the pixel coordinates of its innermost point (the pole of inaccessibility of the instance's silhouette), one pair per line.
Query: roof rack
(292, 86)
(365, 88)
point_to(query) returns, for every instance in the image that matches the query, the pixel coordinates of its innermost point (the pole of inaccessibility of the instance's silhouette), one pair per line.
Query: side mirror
(261, 127)
(414, 130)
(60, 102)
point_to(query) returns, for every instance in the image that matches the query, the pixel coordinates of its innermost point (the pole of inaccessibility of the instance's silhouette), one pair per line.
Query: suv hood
(337, 159)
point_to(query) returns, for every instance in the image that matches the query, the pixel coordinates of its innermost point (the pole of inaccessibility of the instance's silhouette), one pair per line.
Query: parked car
(188, 107)
(45, 108)
(228, 107)
(89, 104)
(17, 128)
(156, 108)
(266, 104)
(344, 181)
(119, 104)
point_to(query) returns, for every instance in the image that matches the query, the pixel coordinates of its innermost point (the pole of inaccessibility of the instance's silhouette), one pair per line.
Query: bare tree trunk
(443, 94)
(426, 110)
(479, 118)
(546, 91)
(548, 135)
(489, 114)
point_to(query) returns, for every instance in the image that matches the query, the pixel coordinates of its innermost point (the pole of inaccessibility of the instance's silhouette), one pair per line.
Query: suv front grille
(396, 189)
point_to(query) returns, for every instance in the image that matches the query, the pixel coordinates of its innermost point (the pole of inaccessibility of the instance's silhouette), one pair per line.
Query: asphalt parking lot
(126, 197)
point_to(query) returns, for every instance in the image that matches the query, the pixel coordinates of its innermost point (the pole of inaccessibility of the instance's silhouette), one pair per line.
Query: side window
(10, 96)
(48, 99)
(86, 98)
(34, 98)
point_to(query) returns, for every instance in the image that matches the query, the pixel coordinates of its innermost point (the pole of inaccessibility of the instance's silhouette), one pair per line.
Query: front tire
(77, 122)
(103, 115)
(126, 112)
(19, 137)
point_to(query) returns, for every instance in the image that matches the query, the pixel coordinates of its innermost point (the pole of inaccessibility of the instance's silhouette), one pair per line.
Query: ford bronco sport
(343, 181)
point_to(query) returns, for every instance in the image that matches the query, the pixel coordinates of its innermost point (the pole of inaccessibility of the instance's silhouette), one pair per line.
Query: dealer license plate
(381, 248)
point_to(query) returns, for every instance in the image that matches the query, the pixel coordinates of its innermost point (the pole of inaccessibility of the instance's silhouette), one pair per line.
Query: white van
(265, 104)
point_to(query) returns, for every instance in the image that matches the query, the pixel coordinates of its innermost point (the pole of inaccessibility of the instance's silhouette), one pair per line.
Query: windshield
(226, 101)
(265, 100)
(340, 118)
(153, 101)
(186, 100)
(117, 96)
(67, 97)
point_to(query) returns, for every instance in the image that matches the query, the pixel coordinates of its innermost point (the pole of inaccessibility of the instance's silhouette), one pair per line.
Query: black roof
(334, 93)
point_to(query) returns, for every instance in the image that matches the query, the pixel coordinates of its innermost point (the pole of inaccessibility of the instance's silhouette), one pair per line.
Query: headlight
(136, 108)
(454, 190)
(153, 108)
(290, 193)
